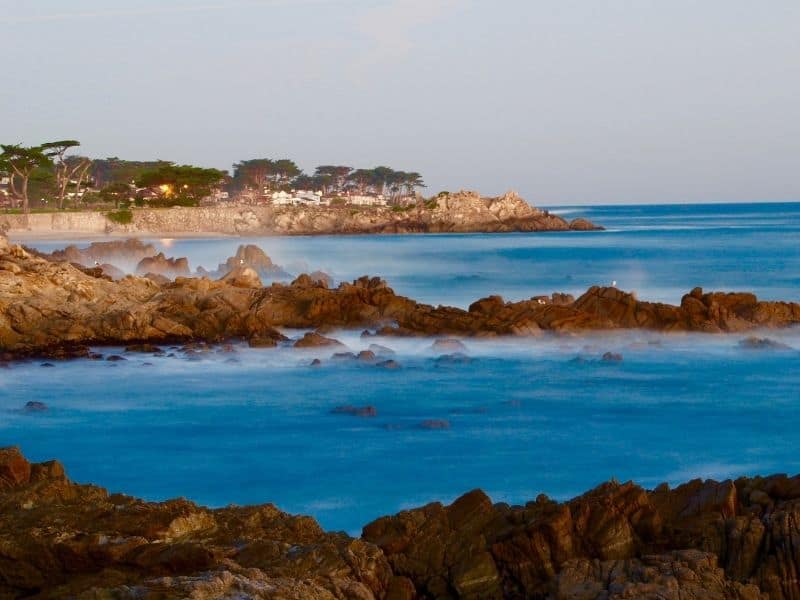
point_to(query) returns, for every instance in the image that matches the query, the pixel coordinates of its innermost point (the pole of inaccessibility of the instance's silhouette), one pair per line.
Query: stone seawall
(463, 212)
(80, 222)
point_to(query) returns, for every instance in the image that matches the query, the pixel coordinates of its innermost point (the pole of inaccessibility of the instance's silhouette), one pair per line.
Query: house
(298, 198)
(359, 200)
(5, 190)
(282, 199)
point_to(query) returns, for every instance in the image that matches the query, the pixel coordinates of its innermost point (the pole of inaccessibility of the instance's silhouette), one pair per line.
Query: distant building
(358, 200)
(5, 190)
(298, 198)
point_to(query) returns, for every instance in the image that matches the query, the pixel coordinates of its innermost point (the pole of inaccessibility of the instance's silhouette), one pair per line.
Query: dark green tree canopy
(182, 182)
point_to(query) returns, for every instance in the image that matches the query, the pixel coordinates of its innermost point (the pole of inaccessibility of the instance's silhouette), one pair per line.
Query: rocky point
(704, 540)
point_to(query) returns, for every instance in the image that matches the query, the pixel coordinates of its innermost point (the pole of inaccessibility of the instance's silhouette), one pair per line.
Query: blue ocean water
(524, 417)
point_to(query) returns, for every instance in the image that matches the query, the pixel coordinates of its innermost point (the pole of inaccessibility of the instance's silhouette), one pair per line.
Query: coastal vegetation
(122, 217)
(52, 175)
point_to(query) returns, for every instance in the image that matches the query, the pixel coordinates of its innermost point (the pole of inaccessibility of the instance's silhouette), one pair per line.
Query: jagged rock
(321, 278)
(54, 310)
(62, 540)
(15, 470)
(112, 271)
(253, 257)
(117, 252)
(704, 540)
(161, 265)
(243, 277)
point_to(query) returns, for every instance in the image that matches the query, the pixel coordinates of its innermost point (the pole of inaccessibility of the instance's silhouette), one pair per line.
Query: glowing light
(166, 189)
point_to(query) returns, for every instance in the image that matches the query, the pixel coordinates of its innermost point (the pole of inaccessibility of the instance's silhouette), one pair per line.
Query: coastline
(465, 212)
(58, 309)
(22, 236)
(703, 539)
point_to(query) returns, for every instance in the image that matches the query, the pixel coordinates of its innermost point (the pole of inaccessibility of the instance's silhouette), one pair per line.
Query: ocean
(520, 418)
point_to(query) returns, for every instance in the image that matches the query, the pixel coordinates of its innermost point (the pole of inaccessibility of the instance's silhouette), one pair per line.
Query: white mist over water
(524, 416)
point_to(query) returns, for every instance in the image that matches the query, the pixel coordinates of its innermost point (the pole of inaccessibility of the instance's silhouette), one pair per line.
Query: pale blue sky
(584, 102)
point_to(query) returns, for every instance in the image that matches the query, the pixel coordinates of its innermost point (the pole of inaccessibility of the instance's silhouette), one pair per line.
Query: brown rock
(243, 277)
(315, 340)
(15, 470)
(161, 265)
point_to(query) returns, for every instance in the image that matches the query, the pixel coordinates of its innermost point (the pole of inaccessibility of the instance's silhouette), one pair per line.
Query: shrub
(121, 217)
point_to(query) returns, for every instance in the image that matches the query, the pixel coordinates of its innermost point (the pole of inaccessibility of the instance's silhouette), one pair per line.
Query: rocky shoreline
(462, 212)
(58, 309)
(703, 540)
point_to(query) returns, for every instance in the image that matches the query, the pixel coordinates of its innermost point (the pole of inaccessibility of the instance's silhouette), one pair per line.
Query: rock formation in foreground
(47, 308)
(457, 212)
(704, 540)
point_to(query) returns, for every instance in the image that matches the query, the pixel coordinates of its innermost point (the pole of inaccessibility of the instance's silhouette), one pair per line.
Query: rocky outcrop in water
(117, 252)
(704, 540)
(161, 265)
(255, 258)
(62, 540)
(49, 308)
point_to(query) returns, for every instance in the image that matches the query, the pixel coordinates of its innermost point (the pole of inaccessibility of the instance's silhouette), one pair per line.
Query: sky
(564, 101)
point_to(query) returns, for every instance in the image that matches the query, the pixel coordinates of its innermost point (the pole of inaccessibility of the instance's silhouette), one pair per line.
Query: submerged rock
(448, 345)
(611, 357)
(756, 343)
(144, 348)
(456, 358)
(34, 406)
(388, 364)
(366, 356)
(356, 411)
(262, 342)
(435, 424)
(379, 350)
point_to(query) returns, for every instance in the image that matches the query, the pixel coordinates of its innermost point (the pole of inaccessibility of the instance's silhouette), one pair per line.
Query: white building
(367, 200)
(298, 198)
